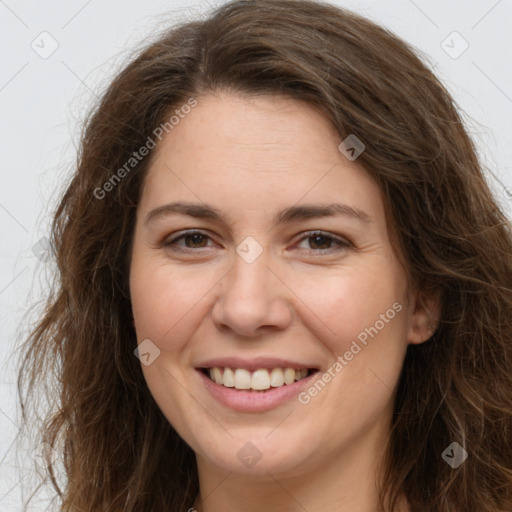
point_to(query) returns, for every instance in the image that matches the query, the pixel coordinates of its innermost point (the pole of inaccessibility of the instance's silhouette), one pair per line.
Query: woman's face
(250, 273)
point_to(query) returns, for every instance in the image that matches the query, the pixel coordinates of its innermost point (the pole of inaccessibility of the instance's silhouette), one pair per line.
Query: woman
(283, 283)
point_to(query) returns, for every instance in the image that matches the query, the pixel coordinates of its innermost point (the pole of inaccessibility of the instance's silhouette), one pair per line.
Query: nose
(252, 299)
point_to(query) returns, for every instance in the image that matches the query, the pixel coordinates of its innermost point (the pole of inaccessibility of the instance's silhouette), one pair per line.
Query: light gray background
(43, 100)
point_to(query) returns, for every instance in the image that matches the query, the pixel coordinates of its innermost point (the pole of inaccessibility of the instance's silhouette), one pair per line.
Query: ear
(424, 315)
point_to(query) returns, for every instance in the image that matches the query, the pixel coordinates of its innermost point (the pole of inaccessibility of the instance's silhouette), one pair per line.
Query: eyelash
(342, 244)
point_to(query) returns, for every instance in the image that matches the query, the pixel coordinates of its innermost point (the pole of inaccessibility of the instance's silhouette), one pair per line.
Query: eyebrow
(288, 215)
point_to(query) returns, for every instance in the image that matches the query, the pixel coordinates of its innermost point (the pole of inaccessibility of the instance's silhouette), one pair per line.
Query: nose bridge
(251, 295)
(250, 276)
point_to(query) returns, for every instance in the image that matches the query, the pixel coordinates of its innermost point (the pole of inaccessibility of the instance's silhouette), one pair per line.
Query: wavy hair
(117, 450)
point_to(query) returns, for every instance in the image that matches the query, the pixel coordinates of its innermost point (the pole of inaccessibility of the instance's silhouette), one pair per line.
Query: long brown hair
(118, 451)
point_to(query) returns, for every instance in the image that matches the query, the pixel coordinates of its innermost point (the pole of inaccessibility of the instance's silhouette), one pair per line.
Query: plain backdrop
(57, 56)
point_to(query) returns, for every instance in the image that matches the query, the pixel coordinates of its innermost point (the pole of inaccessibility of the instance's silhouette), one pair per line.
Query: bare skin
(303, 298)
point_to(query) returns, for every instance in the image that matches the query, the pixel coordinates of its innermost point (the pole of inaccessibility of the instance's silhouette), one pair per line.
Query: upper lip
(253, 363)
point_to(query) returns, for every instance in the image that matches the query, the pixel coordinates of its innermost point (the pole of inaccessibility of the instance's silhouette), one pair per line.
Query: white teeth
(289, 376)
(229, 378)
(217, 375)
(258, 380)
(300, 374)
(276, 377)
(242, 379)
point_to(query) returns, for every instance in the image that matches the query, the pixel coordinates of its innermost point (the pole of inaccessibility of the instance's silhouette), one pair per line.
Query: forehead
(257, 153)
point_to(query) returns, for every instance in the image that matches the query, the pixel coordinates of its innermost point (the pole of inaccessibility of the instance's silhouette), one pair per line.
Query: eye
(193, 240)
(319, 241)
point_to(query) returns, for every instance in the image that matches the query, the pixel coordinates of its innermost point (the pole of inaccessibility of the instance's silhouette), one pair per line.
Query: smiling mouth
(260, 380)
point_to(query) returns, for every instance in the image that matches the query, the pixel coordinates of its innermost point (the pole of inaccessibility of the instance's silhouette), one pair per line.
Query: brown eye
(193, 240)
(323, 242)
(320, 240)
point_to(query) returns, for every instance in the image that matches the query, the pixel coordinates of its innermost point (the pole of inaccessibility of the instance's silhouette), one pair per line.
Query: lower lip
(254, 401)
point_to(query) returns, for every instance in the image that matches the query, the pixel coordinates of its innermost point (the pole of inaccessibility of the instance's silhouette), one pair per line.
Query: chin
(278, 455)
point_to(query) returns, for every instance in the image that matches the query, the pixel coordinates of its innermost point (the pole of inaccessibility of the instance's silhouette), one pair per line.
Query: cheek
(342, 306)
(165, 300)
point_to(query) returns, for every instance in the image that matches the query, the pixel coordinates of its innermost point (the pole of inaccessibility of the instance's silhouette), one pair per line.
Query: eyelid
(342, 243)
